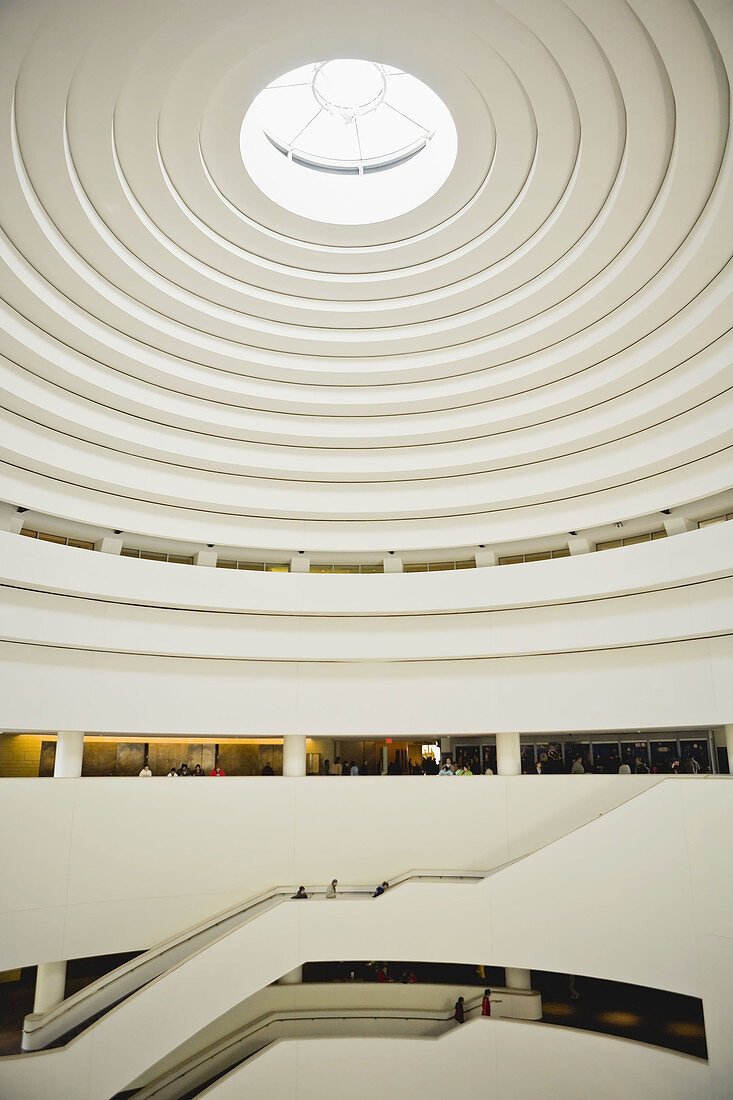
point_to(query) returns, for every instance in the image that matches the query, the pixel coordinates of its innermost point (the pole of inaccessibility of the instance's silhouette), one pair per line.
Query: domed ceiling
(543, 345)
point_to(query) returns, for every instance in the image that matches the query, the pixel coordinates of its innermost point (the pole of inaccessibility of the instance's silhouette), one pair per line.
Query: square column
(205, 557)
(580, 546)
(10, 519)
(392, 563)
(109, 544)
(485, 557)
(678, 525)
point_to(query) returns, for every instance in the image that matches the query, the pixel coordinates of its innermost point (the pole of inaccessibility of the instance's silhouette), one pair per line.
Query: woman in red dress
(486, 1003)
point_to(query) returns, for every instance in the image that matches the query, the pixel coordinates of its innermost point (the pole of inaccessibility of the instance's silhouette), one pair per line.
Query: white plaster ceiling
(542, 346)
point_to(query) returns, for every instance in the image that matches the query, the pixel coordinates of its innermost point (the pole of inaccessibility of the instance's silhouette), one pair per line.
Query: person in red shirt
(217, 772)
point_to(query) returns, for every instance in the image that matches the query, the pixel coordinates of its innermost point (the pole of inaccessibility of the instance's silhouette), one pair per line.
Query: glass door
(695, 755)
(634, 751)
(575, 750)
(663, 754)
(488, 758)
(605, 757)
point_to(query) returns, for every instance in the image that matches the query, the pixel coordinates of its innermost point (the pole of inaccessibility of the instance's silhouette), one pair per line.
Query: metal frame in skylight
(359, 114)
(348, 141)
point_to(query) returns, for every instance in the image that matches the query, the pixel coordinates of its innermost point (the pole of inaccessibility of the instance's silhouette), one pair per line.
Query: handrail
(197, 1072)
(65, 1020)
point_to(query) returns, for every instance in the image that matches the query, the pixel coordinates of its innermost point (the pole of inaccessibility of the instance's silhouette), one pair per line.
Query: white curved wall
(77, 884)
(555, 909)
(501, 1058)
(626, 639)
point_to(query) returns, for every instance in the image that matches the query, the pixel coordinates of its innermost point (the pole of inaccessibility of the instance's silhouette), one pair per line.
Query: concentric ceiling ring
(542, 345)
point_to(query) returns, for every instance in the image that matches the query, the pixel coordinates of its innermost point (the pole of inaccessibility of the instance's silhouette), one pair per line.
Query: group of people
(184, 770)
(459, 769)
(428, 766)
(332, 891)
(407, 976)
(459, 1009)
(690, 766)
(345, 768)
(547, 763)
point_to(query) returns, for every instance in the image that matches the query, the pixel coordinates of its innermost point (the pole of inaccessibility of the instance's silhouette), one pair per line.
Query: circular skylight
(348, 141)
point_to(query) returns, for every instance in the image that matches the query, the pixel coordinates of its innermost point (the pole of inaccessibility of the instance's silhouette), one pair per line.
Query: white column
(293, 755)
(109, 544)
(205, 557)
(728, 731)
(301, 563)
(50, 985)
(485, 557)
(385, 757)
(51, 977)
(392, 563)
(293, 977)
(508, 756)
(69, 753)
(516, 978)
(11, 519)
(580, 546)
(678, 525)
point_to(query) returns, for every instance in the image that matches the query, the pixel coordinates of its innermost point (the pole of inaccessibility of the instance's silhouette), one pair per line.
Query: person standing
(459, 1011)
(146, 772)
(331, 888)
(354, 769)
(336, 768)
(486, 1003)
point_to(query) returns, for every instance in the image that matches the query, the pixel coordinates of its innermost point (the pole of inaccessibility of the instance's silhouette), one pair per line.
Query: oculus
(348, 141)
